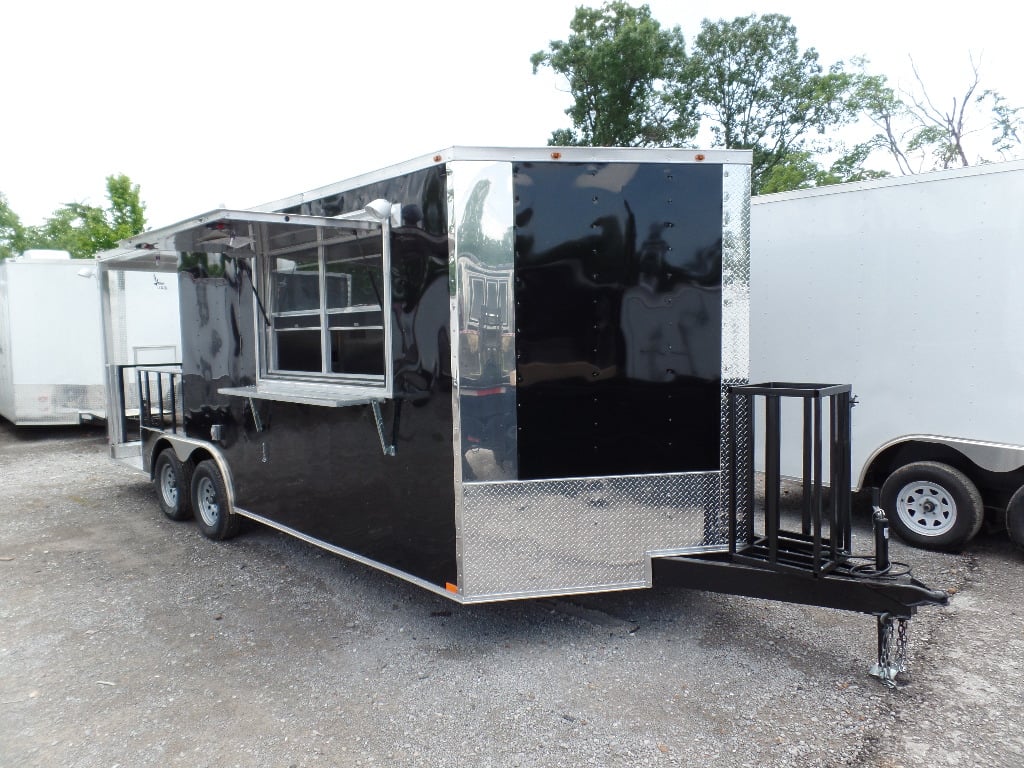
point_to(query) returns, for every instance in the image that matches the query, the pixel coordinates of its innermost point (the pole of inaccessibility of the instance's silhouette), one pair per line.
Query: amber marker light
(698, 158)
(437, 158)
(450, 587)
(555, 155)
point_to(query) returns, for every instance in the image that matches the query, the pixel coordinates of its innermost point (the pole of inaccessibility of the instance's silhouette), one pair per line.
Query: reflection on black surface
(619, 339)
(321, 470)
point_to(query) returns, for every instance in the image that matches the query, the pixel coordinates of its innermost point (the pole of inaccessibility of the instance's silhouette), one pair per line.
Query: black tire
(210, 503)
(932, 505)
(1015, 518)
(173, 482)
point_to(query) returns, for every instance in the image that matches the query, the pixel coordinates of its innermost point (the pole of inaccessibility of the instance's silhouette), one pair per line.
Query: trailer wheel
(1015, 517)
(209, 500)
(932, 505)
(173, 483)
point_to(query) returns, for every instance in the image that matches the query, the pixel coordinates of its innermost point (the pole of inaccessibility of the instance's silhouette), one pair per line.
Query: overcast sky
(236, 103)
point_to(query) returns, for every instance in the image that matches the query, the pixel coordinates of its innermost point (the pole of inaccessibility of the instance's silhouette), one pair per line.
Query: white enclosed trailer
(51, 370)
(51, 344)
(908, 287)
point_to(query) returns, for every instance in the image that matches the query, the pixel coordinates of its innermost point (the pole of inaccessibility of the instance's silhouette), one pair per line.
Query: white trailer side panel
(53, 354)
(6, 369)
(908, 288)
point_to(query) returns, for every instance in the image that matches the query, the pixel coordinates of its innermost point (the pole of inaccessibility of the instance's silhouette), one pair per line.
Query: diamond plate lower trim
(559, 536)
(41, 404)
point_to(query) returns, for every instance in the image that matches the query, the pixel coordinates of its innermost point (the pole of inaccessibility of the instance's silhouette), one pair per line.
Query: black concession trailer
(498, 374)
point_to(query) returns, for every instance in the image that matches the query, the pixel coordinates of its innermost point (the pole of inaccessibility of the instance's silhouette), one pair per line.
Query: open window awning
(238, 233)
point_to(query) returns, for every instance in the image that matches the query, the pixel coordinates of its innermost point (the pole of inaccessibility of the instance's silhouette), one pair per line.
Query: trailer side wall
(905, 287)
(320, 470)
(53, 368)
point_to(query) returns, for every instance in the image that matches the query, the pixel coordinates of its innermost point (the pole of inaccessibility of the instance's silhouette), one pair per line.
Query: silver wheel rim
(927, 509)
(168, 486)
(206, 498)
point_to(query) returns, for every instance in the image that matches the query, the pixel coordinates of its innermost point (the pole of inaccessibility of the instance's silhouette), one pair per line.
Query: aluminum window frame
(266, 336)
(237, 233)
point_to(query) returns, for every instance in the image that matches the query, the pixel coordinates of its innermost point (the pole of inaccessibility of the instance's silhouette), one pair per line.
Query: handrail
(165, 378)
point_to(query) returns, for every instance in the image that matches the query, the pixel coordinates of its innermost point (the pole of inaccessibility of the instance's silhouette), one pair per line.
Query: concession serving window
(322, 290)
(324, 293)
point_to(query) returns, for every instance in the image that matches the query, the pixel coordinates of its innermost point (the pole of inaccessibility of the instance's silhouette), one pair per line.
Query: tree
(758, 91)
(799, 170)
(84, 230)
(127, 213)
(1007, 123)
(617, 61)
(12, 233)
(918, 134)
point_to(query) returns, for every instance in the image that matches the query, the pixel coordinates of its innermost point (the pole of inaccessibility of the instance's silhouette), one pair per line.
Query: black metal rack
(814, 565)
(823, 543)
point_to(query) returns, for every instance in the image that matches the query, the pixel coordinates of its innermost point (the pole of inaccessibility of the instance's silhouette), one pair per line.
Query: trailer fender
(191, 451)
(992, 457)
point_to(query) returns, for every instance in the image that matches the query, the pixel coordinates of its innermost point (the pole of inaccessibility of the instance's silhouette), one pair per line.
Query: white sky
(236, 103)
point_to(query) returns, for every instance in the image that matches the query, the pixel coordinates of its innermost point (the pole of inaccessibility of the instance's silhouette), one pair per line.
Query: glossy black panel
(618, 309)
(321, 470)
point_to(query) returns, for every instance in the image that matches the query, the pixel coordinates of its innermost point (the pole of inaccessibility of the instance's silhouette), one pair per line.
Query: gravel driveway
(129, 640)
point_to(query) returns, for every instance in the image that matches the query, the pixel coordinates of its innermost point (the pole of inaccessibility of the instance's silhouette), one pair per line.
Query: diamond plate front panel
(561, 536)
(735, 336)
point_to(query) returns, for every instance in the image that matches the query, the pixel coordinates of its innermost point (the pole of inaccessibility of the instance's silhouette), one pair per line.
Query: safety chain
(892, 649)
(902, 645)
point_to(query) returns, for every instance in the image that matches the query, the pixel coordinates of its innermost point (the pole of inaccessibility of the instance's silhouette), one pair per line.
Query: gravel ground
(129, 640)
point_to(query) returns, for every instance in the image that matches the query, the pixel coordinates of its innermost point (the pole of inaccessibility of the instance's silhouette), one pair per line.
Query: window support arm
(389, 450)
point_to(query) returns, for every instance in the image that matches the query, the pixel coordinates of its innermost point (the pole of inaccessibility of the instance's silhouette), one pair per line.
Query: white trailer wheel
(927, 508)
(932, 505)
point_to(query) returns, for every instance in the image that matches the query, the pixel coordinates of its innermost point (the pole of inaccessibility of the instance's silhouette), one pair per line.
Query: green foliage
(84, 230)
(758, 91)
(12, 233)
(750, 86)
(799, 170)
(634, 85)
(126, 213)
(1006, 121)
(616, 61)
(919, 135)
(850, 167)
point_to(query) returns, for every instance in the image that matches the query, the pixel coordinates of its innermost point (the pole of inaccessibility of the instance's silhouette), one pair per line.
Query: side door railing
(146, 397)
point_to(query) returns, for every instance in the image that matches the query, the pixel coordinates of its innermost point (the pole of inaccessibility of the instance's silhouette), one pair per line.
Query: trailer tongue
(498, 374)
(814, 565)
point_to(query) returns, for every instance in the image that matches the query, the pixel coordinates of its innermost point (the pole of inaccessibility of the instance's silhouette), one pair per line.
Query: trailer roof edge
(511, 154)
(1007, 166)
(126, 259)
